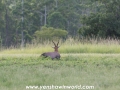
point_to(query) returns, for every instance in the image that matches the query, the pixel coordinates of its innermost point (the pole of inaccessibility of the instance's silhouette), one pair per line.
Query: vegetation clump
(50, 33)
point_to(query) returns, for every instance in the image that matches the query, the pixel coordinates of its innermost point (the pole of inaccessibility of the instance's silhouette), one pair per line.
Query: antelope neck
(56, 50)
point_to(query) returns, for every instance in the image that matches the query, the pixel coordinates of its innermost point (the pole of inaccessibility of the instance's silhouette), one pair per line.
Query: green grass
(66, 47)
(84, 62)
(99, 70)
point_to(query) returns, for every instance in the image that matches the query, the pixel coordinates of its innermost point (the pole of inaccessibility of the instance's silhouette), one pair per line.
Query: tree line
(21, 21)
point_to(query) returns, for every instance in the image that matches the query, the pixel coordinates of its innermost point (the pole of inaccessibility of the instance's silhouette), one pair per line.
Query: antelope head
(55, 46)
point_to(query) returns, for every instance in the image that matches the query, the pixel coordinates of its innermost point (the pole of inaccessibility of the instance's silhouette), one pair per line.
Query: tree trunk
(6, 29)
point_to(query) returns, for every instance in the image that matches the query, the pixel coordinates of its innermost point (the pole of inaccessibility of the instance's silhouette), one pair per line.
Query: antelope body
(54, 54)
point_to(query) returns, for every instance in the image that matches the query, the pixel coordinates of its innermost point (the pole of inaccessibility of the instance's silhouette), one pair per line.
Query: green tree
(57, 20)
(49, 33)
(105, 23)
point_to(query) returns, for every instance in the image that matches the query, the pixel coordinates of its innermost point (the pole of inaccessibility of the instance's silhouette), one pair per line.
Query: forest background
(23, 21)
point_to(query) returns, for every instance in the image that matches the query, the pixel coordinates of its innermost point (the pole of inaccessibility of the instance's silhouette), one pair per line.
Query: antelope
(54, 54)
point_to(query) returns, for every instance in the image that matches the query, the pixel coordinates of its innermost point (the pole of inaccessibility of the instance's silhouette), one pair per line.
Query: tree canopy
(50, 33)
(105, 22)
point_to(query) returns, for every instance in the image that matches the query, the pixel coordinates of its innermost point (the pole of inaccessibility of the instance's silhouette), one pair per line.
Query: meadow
(82, 63)
(71, 45)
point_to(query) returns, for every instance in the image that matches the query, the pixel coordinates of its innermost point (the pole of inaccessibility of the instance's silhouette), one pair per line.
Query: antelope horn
(57, 43)
(53, 43)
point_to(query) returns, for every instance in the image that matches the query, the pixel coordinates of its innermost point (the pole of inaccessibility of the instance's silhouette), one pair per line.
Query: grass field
(89, 63)
(99, 70)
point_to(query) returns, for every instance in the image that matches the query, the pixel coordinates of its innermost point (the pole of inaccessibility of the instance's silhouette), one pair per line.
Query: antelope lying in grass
(54, 54)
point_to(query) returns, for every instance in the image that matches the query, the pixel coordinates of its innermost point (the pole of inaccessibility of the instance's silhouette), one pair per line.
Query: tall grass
(70, 45)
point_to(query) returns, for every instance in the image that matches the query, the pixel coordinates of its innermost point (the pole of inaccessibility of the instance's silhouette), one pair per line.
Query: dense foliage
(20, 19)
(105, 22)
